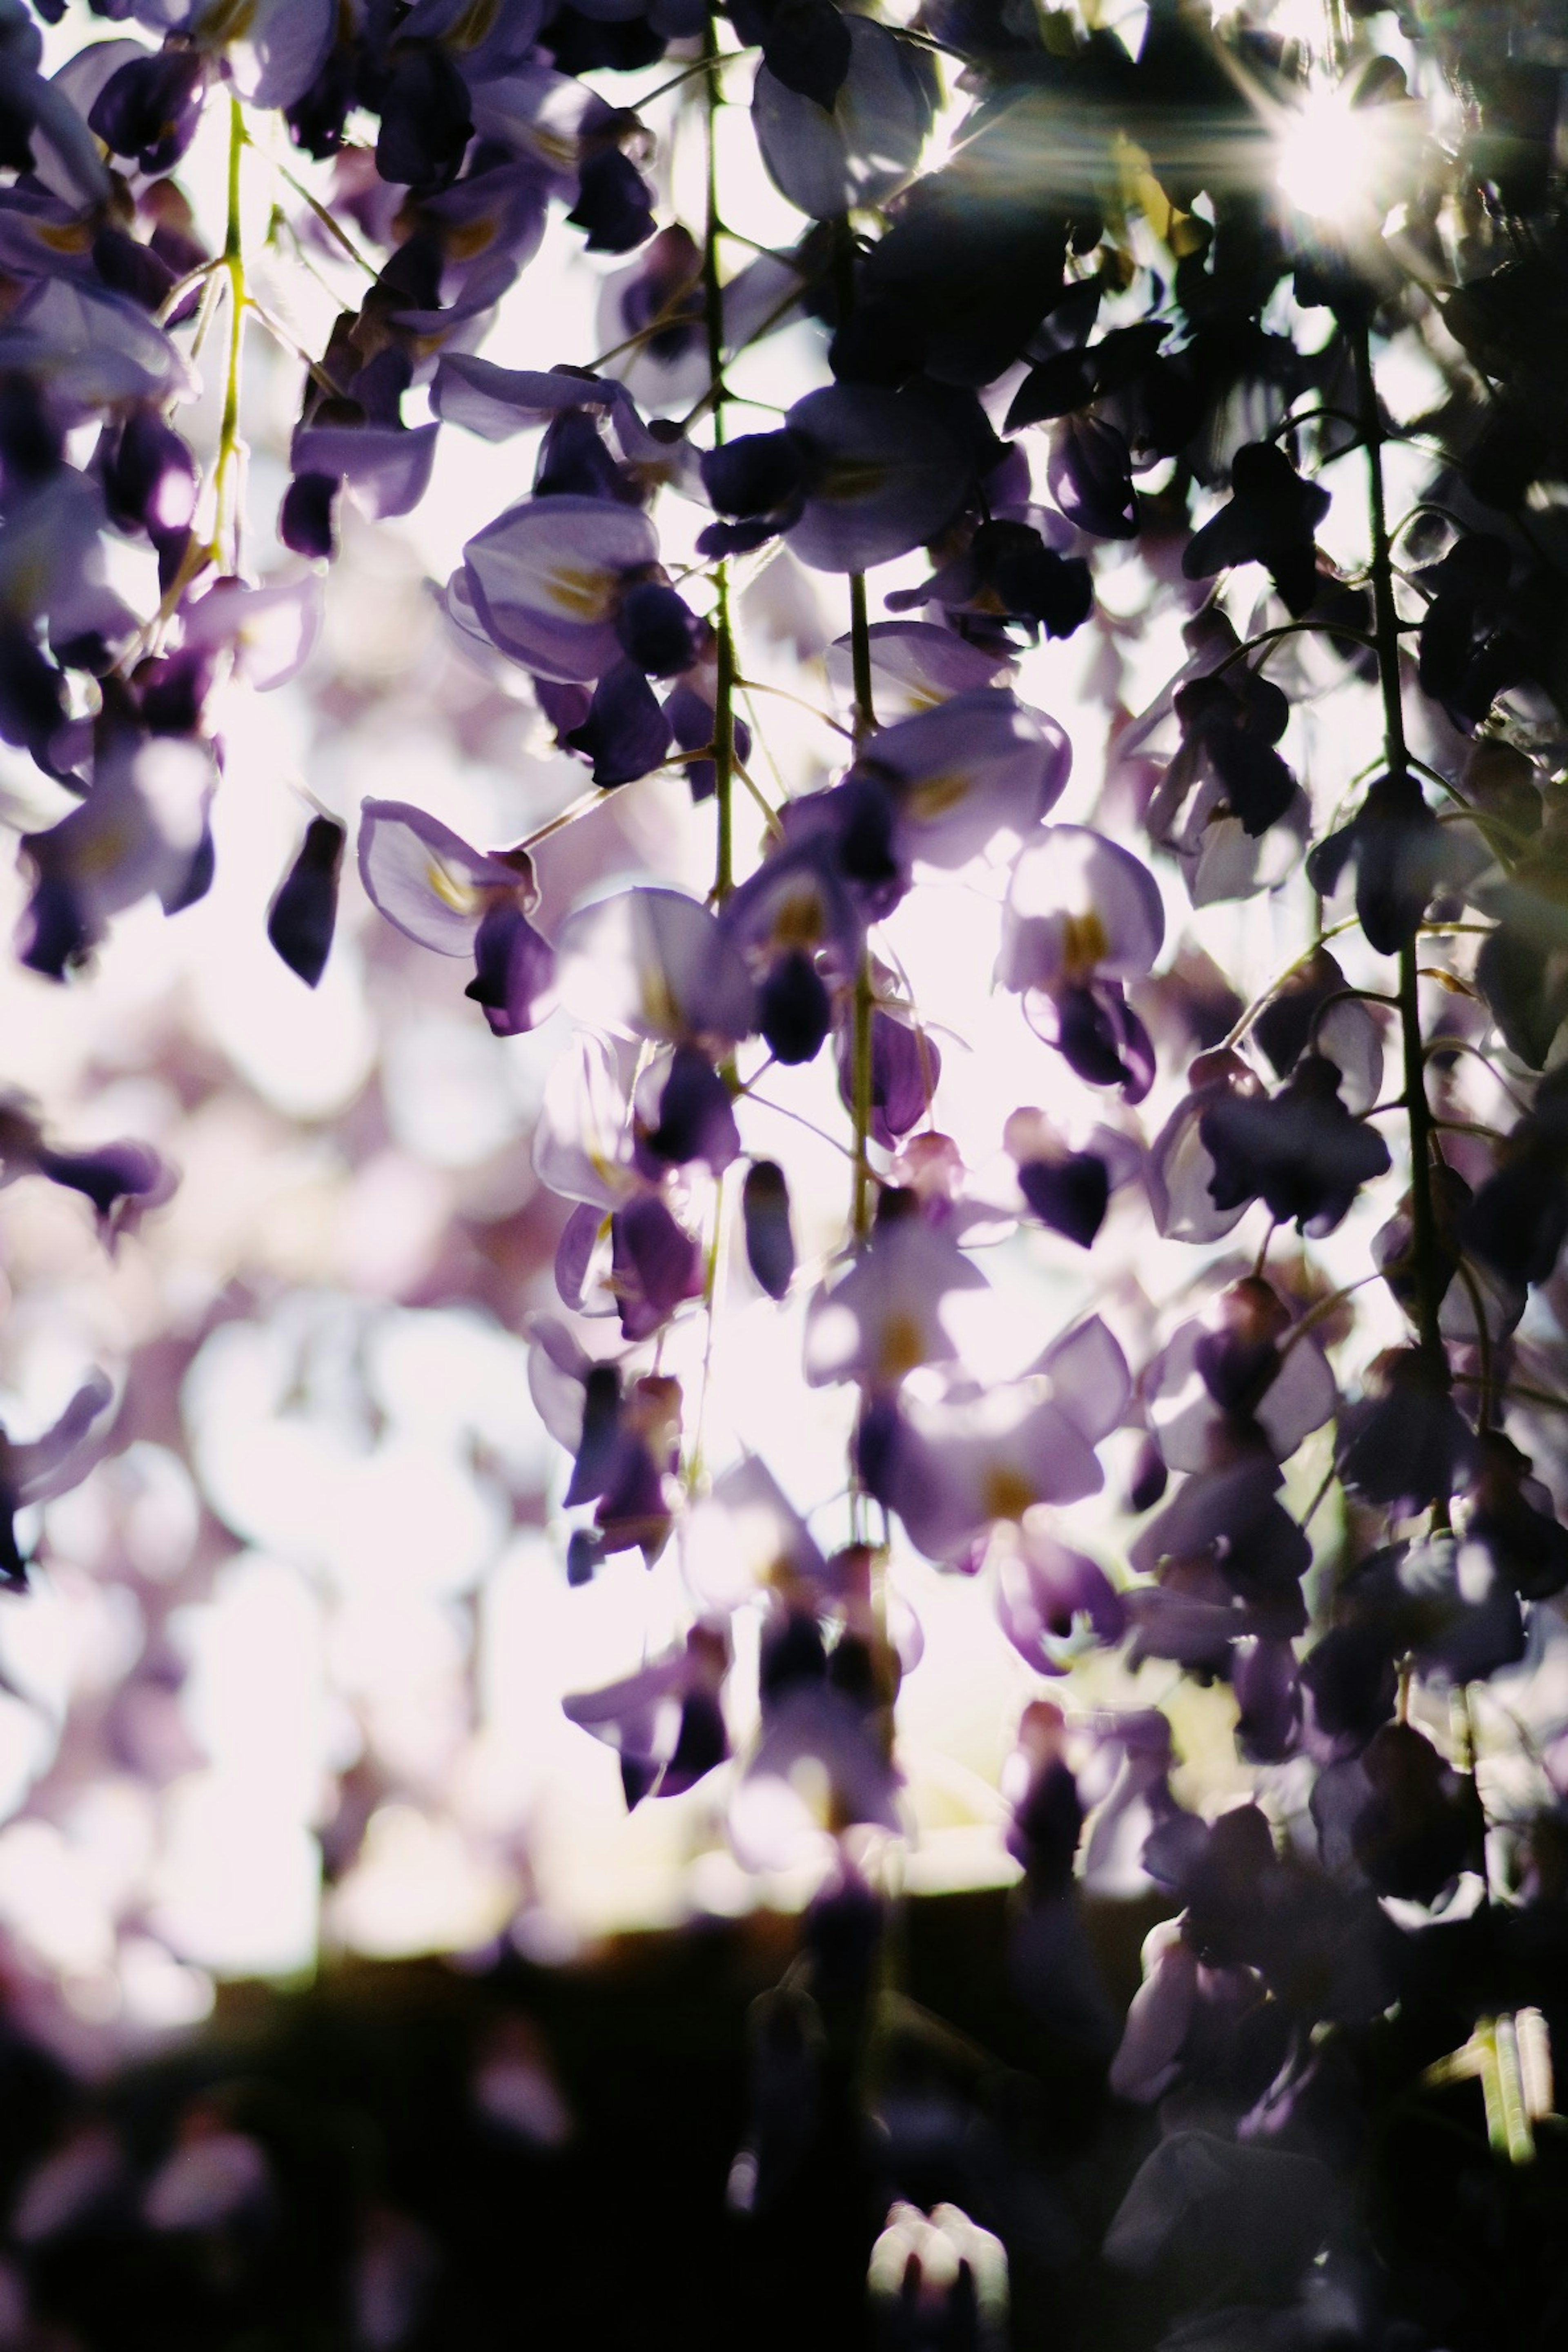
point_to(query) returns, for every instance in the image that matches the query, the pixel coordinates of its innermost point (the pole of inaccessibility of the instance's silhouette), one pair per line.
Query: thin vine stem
(227, 482)
(713, 309)
(864, 722)
(1418, 1107)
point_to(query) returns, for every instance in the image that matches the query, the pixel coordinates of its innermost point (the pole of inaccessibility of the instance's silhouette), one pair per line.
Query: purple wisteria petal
(980, 764)
(271, 630)
(657, 1266)
(624, 731)
(52, 564)
(386, 468)
(1080, 909)
(514, 971)
(278, 50)
(1043, 1590)
(827, 161)
(883, 1316)
(272, 49)
(916, 663)
(149, 108)
(37, 1469)
(796, 905)
(1088, 1377)
(488, 42)
(304, 914)
(140, 831)
(906, 1064)
(1289, 1392)
(1215, 1508)
(1443, 1602)
(882, 475)
(653, 964)
(1180, 1171)
(1404, 1444)
(1126, 1783)
(583, 1142)
(1194, 1622)
(1268, 1689)
(1160, 2019)
(546, 578)
(772, 1821)
(66, 156)
(745, 1537)
(647, 1719)
(852, 825)
(684, 1113)
(581, 1254)
(1301, 1151)
(92, 349)
(498, 401)
(558, 1370)
(426, 880)
(120, 1179)
(952, 1470)
(769, 1234)
(1210, 2217)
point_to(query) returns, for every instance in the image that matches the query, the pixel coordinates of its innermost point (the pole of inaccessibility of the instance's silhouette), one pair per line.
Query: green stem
(864, 721)
(713, 306)
(860, 1065)
(864, 727)
(226, 526)
(1418, 1109)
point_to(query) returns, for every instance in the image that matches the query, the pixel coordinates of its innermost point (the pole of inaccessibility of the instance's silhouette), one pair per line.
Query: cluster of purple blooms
(997, 309)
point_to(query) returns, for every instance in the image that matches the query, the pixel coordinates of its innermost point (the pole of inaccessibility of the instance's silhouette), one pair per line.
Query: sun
(1338, 161)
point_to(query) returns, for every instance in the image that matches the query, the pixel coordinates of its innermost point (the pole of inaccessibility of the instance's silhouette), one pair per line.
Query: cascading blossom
(1277, 1518)
(1083, 918)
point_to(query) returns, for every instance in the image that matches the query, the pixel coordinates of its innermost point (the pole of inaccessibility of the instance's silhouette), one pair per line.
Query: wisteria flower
(829, 155)
(1211, 1391)
(35, 1470)
(548, 578)
(1301, 1151)
(141, 831)
(665, 1722)
(856, 477)
(458, 901)
(1084, 917)
(1053, 1603)
(652, 964)
(882, 1318)
(951, 1469)
(980, 764)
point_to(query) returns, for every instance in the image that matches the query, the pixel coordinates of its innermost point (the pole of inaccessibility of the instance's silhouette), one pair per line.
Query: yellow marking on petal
(1084, 945)
(71, 236)
(554, 147)
(461, 897)
(661, 1014)
(936, 796)
(853, 478)
(462, 244)
(1005, 1493)
(902, 1347)
(584, 593)
(474, 26)
(797, 920)
(225, 21)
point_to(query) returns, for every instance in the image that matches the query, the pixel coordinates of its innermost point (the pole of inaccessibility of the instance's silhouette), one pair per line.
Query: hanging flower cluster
(1273, 954)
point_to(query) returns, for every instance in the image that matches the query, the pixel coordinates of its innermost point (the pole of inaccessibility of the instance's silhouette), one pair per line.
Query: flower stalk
(713, 308)
(226, 521)
(1417, 1105)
